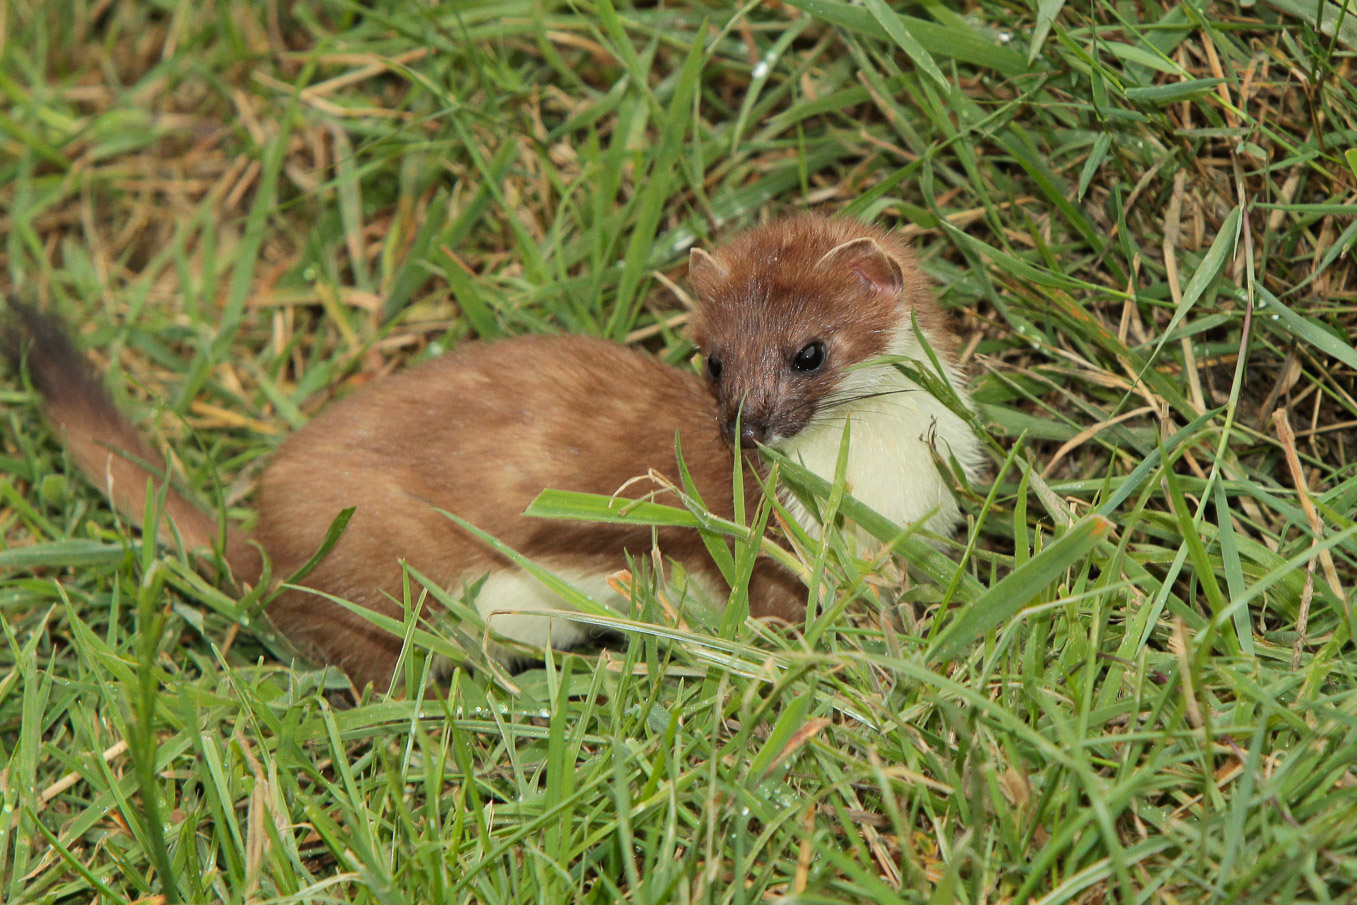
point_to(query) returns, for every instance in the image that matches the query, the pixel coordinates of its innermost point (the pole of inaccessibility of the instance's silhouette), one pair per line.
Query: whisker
(837, 417)
(837, 400)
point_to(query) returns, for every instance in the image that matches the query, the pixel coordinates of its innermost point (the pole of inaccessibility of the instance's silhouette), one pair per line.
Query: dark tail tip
(41, 343)
(13, 330)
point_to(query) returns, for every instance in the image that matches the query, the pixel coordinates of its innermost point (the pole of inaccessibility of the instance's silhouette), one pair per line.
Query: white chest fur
(892, 424)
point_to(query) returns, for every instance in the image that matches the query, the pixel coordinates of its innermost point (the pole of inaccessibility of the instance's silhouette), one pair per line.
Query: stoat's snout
(769, 393)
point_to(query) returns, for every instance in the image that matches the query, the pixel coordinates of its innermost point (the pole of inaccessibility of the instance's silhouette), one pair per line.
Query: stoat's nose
(752, 434)
(753, 415)
(753, 431)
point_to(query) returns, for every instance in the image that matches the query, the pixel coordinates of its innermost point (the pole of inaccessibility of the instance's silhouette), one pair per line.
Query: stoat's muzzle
(762, 415)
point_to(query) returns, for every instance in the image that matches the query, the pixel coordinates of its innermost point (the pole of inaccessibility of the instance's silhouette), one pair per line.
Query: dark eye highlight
(714, 366)
(810, 358)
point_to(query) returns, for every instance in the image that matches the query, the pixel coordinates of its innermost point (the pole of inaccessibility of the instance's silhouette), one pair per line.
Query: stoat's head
(788, 307)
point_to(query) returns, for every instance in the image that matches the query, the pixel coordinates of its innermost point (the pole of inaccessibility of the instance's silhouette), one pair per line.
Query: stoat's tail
(107, 449)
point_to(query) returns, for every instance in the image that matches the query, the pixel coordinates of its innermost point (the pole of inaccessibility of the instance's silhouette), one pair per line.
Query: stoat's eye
(714, 366)
(810, 358)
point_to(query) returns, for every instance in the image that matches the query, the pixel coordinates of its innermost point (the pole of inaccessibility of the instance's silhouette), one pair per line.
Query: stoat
(789, 315)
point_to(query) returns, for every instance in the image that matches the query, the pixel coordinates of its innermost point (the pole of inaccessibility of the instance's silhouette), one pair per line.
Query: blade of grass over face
(1141, 220)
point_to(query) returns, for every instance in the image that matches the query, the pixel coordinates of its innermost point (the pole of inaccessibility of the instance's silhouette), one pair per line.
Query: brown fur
(480, 432)
(772, 290)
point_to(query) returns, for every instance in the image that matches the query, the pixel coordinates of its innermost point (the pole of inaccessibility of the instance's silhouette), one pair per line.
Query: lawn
(1131, 678)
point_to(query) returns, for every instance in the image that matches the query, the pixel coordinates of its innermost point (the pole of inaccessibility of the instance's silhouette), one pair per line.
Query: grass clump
(1132, 682)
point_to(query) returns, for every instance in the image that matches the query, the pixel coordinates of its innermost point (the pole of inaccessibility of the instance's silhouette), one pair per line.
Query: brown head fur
(775, 292)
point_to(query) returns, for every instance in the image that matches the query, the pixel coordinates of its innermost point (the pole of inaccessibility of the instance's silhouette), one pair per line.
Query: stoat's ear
(865, 257)
(703, 269)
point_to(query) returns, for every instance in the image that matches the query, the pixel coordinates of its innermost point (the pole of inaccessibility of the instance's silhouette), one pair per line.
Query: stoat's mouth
(787, 435)
(754, 434)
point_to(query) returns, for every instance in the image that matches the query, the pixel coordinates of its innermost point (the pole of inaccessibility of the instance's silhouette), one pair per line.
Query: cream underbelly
(518, 607)
(512, 602)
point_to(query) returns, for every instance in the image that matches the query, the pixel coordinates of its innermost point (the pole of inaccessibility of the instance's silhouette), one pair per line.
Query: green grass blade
(1008, 597)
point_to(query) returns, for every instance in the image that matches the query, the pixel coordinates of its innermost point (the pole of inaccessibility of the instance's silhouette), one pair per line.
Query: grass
(1131, 680)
